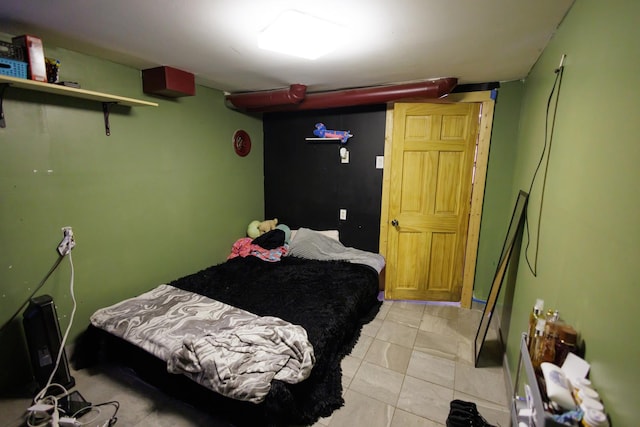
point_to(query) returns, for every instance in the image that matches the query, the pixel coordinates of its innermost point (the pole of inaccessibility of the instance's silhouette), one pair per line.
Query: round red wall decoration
(241, 143)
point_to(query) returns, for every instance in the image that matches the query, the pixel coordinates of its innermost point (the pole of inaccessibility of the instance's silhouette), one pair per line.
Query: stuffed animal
(267, 225)
(286, 230)
(257, 228)
(252, 229)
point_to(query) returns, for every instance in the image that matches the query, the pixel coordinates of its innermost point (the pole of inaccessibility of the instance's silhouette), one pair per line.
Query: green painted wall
(163, 196)
(589, 233)
(498, 200)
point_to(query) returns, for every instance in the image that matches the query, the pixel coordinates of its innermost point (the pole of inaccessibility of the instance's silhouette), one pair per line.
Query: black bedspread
(332, 300)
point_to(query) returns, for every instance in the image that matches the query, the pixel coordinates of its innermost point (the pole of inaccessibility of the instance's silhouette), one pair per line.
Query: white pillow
(329, 233)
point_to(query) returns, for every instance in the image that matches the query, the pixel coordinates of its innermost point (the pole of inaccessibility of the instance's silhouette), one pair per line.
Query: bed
(310, 304)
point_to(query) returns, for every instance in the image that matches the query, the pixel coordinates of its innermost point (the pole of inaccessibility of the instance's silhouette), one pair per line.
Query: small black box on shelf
(11, 51)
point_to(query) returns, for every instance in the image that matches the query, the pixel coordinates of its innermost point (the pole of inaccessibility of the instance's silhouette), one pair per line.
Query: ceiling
(388, 41)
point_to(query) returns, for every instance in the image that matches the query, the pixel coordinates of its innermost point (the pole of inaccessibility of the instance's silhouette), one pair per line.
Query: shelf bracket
(106, 108)
(3, 87)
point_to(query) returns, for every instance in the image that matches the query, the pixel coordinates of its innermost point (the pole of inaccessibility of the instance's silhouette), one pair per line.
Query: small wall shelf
(323, 139)
(107, 100)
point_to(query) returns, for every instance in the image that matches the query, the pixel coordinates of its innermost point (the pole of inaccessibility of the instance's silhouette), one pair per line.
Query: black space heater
(42, 331)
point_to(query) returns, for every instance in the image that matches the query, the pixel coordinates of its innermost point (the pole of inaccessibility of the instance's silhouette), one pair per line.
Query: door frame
(487, 99)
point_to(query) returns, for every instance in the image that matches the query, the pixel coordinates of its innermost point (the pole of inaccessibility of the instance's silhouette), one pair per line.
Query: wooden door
(432, 159)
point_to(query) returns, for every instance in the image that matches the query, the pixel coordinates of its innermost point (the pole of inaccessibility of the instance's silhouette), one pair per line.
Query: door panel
(433, 147)
(410, 276)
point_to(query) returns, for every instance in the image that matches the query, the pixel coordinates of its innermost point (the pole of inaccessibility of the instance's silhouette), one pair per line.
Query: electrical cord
(97, 406)
(49, 413)
(546, 149)
(51, 416)
(66, 334)
(42, 397)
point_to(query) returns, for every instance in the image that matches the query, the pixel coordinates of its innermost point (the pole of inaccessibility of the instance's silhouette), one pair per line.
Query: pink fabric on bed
(243, 248)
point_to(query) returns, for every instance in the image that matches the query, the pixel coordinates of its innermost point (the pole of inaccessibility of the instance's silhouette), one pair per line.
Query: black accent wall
(305, 184)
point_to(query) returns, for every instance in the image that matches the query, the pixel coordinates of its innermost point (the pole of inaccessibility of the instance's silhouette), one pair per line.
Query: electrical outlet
(343, 214)
(344, 155)
(68, 242)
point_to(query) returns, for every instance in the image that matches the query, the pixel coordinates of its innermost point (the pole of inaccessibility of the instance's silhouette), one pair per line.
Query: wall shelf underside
(106, 99)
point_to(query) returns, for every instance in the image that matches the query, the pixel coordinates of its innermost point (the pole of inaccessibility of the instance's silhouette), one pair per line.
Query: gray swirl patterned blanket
(226, 349)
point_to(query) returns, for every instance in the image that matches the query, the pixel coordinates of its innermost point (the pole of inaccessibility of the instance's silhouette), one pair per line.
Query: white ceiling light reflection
(305, 36)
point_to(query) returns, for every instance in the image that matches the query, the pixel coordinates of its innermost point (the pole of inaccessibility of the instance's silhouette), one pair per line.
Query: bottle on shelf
(538, 344)
(536, 314)
(566, 342)
(550, 336)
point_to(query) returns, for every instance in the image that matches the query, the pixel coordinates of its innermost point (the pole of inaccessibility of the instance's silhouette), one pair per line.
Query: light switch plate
(379, 162)
(343, 214)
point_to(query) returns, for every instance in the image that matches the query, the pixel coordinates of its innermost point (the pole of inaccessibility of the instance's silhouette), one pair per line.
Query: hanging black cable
(546, 149)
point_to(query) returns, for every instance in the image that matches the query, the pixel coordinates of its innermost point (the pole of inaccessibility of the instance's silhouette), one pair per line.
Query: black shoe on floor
(460, 418)
(464, 406)
(465, 414)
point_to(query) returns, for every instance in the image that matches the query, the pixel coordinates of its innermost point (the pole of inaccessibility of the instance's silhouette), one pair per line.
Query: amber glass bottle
(550, 336)
(538, 344)
(566, 342)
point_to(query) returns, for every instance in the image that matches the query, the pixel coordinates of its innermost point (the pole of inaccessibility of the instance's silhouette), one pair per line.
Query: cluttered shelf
(552, 387)
(23, 65)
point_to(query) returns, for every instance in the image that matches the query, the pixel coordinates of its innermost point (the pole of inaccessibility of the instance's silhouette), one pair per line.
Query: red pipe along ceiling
(295, 97)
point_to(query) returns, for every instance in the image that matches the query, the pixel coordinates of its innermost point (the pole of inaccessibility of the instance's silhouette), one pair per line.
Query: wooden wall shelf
(106, 99)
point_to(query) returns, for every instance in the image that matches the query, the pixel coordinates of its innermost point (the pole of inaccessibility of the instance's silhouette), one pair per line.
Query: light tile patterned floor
(409, 363)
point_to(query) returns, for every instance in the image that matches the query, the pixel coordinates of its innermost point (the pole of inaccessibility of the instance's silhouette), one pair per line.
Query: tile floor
(409, 363)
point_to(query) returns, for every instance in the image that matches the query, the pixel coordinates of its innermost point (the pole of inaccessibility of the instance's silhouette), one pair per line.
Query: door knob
(394, 222)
